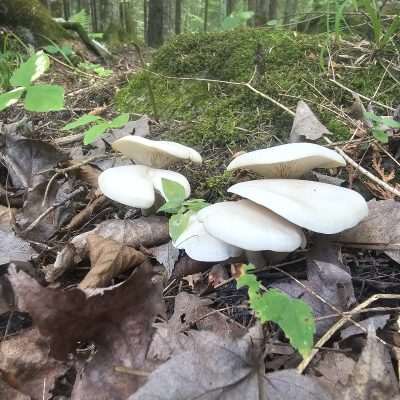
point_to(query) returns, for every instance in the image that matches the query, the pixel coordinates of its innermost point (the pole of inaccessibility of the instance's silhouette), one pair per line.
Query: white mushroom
(316, 206)
(135, 185)
(249, 226)
(288, 161)
(157, 154)
(201, 246)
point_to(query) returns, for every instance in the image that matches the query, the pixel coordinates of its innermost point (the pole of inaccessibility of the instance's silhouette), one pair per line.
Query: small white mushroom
(316, 206)
(135, 185)
(201, 246)
(288, 161)
(249, 226)
(157, 154)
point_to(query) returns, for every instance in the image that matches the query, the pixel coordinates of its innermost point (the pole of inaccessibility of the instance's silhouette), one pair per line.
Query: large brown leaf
(210, 367)
(25, 364)
(380, 230)
(108, 259)
(145, 231)
(118, 320)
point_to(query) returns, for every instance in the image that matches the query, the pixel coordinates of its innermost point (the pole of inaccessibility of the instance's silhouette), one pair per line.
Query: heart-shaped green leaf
(10, 98)
(44, 98)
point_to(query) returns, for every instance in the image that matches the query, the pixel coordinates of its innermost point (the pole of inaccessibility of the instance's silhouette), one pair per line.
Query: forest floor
(76, 322)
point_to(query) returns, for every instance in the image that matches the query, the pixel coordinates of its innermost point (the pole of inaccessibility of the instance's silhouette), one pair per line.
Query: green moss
(219, 118)
(31, 14)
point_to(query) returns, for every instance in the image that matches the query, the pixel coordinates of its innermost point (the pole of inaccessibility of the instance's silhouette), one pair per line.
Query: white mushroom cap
(316, 206)
(288, 160)
(201, 246)
(249, 226)
(157, 154)
(135, 185)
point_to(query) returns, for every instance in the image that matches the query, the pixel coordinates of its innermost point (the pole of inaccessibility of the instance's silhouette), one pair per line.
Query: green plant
(180, 208)
(293, 316)
(380, 124)
(38, 98)
(381, 35)
(55, 49)
(99, 125)
(96, 68)
(235, 20)
(83, 18)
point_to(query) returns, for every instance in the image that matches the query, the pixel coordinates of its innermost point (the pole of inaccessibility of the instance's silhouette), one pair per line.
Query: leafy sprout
(99, 125)
(38, 98)
(180, 208)
(380, 125)
(293, 316)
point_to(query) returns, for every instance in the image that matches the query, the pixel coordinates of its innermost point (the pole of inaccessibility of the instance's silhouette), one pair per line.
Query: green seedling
(380, 124)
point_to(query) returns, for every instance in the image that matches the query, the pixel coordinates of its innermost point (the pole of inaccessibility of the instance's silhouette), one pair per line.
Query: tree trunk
(262, 11)
(111, 21)
(155, 23)
(205, 16)
(251, 6)
(230, 6)
(33, 15)
(94, 15)
(178, 16)
(145, 19)
(66, 9)
(273, 10)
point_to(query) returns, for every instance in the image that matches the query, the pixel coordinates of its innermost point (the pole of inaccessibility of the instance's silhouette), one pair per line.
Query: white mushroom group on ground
(275, 210)
(138, 185)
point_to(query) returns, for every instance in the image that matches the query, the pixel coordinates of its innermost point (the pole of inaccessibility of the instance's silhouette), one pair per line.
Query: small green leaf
(94, 132)
(177, 224)
(30, 70)
(44, 98)
(170, 207)
(173, 191)
(10, 98)
(120, 121)
(195, 204)
(81, 121)
(380, 135)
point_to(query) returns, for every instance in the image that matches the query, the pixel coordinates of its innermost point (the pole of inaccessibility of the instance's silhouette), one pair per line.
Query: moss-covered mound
(221, 119)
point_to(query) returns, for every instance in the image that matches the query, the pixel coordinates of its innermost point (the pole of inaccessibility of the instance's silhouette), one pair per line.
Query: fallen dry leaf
(210, 367)
(144, 231)
(13, 248)
(9, 393)
(118, 320)
(190, 311)
(373, 377)
(380, 230)
(7, 215)
(306, 125)
(27, 158)
(334, 368)
(377, 322)
(108, 259)
(25, 364)
(166, 254)
(329, 278)
(187, 266)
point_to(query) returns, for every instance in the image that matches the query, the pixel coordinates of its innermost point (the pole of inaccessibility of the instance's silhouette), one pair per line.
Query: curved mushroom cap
(316, 206)
(157, 154)
(288, 160)
(135, 185)
(201, 246)
(249, 226)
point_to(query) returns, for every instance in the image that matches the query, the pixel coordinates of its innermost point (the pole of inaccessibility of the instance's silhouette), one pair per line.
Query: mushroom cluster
(139, 185)
(273, 211)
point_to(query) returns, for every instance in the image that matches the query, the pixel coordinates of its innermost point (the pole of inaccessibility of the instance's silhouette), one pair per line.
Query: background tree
(155, 23)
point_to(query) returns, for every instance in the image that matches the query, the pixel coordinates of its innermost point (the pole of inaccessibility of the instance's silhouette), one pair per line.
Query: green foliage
(293, 316)
(38, 98)
(83, 18)
(181, 209)
(379, 124)
(99, 127)
(236, 19)
(381, 35)
(95, 68)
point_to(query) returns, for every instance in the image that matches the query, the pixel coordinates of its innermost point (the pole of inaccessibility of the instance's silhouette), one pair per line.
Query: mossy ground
(220, 119)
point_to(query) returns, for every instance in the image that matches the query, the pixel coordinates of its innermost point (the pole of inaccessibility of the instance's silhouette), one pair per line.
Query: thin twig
(361, 95)
(335, 327)
(37, 221)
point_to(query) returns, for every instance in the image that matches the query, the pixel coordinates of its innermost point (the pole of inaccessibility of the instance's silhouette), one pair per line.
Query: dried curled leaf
(144, 231)
(108, 259)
